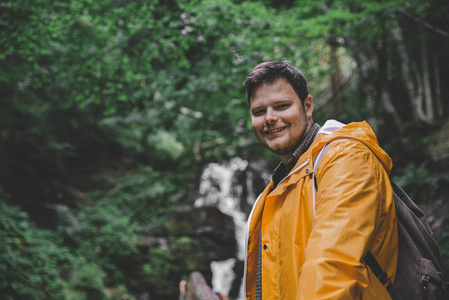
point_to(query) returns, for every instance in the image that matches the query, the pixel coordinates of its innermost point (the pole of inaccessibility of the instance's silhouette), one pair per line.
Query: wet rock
(209, 228)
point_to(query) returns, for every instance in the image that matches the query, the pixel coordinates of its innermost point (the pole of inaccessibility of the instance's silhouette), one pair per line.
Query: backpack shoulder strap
(315, 167)
(320, 156)
(372, 263)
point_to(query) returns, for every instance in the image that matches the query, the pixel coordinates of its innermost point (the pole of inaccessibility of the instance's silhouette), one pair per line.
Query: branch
(424, 23)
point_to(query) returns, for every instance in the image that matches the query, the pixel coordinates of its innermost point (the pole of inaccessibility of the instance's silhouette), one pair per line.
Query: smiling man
(310, 230)
(279, 119)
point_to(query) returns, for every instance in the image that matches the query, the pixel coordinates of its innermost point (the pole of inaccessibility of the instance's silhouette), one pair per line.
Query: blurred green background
(110, 110)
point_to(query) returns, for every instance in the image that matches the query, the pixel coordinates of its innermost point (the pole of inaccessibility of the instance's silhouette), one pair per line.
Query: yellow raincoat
(319, 255)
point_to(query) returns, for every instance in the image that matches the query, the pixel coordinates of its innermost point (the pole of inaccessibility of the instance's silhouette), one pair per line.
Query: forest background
(110, 110)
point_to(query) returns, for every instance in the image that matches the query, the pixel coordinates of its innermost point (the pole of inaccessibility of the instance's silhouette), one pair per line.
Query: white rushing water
(218, 189)
(223, 275)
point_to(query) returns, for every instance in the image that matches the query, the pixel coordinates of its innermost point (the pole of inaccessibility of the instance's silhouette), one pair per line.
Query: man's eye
(283, 106)
(258, 112)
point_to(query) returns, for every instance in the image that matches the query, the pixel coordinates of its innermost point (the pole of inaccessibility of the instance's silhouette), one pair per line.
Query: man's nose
(271, 117)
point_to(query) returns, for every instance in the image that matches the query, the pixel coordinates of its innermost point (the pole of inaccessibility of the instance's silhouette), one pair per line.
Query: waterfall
(229, 187)
(223, 275)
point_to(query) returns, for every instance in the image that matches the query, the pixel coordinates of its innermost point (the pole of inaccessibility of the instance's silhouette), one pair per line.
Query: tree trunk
(427, 95)
(335, 77)
(436, 71)
(414, 88)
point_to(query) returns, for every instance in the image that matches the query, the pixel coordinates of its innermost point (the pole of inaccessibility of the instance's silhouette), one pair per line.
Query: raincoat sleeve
(349, 206)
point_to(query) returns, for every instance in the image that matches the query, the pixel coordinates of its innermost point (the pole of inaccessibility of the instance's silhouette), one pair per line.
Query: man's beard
(290, 145)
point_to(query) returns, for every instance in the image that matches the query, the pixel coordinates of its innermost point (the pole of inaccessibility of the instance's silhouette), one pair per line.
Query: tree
(111, 108)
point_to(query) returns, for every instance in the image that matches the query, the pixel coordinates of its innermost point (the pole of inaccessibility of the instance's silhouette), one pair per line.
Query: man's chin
(280, 149)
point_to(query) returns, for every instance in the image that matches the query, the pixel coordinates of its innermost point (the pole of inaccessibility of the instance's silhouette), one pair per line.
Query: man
(308, 233)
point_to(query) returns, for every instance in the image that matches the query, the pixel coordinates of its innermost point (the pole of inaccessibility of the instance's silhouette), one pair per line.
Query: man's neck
(303, 146)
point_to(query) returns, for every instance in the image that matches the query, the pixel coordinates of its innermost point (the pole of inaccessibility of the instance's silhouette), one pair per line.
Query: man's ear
(308, 106)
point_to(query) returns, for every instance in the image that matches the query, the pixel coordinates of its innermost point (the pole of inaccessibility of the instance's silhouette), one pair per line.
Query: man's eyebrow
(280, 101)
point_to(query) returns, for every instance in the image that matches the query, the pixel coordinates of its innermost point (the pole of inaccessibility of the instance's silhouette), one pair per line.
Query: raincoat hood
(360, 131)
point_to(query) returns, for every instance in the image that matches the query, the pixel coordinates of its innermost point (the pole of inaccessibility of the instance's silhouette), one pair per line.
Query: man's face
(279, 119)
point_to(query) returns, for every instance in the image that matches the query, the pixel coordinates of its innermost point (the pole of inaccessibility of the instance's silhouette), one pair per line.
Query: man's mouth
(274, 130)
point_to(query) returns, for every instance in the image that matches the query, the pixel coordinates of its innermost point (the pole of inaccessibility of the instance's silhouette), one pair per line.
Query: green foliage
(111, 109)
(159, 264)
(33, 260)
(112, 229)
(421, 183)
(443, 239)
(86, 281)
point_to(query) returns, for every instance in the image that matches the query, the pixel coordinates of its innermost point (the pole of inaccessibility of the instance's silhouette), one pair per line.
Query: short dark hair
(272, 71)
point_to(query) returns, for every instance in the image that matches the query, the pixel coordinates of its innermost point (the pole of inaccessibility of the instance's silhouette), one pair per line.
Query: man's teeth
(277, 130)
